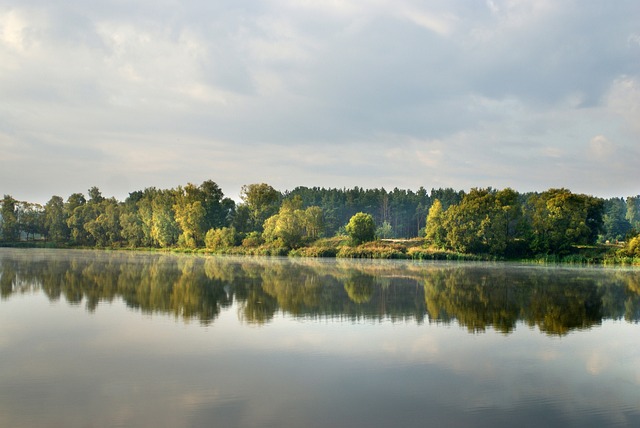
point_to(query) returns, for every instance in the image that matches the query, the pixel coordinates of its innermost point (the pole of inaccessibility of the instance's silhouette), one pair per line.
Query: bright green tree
(314, 222)
(468, 222)
(191, 218)
(217, 239)
(164, 228)
(435, 232)
(287, 227)
(292, 226)
(361, 228)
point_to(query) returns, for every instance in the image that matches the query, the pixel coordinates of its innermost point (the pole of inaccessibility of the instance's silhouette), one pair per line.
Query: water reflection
(477, 296)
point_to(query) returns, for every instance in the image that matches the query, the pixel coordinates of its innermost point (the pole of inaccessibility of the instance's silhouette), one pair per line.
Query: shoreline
(599, 255)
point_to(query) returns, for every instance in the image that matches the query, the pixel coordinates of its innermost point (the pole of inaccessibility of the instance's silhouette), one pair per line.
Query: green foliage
(417, 253)
(373, 250)
(218, 209)
(292, 226)
(242, 219)
(252, 240)
(632, 248)
(74, 213)
(187, 241)
(314, 251)
(404, 209)
(485, 221)
(615, 224)
(190, 216)
(95, 195)
(435, 232)
(104, 224)
(633, 211)
(132, 229)
(560, 219)
(10, 231)
(55, 222)
(164, 228)
(218, 239)
(93, 222)
(199, 209)
(314, 222)
(361, 228)
(385, 231)
(262, 202)
(447, 197)
(30, 220)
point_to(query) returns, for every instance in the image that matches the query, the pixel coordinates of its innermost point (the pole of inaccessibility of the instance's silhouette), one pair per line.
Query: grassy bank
(413, 249)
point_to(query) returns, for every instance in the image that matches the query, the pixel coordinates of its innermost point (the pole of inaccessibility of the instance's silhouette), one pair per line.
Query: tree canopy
(361, 228)
(482, 220)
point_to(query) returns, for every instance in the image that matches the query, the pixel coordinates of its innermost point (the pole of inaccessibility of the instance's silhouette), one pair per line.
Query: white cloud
(601, 148)
(442, 24)
(341, 93)
(329, 7)
(20, 29)
(623, 99)
(9, 149)
(282, 43)
(634, 39)
(510, 18)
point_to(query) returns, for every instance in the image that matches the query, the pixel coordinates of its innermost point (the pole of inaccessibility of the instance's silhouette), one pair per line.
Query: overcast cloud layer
(529, 94)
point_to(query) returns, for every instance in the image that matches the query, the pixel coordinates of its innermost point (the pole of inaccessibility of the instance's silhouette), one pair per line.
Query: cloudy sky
(529, 94)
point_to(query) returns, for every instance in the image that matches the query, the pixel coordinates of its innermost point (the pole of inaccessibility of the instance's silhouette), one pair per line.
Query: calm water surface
(98, 339)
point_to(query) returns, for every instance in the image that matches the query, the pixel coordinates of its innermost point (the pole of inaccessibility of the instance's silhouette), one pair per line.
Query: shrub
(218, 239)
(374, 250)
(632, 249)
(252, 240)
(186, 240)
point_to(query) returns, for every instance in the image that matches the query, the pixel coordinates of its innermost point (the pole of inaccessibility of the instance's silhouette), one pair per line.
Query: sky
(124, 95)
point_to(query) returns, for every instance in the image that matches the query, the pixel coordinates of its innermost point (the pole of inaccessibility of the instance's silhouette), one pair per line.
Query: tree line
(490, 221)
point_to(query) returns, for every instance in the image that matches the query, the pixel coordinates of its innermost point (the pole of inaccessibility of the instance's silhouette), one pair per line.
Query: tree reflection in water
(477, 296)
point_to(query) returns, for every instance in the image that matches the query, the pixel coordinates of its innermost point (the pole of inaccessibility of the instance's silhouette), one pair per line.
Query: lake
(109, 339)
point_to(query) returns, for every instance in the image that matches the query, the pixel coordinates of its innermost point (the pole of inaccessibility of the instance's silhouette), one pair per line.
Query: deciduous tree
(262, 200)
(435, 232)
(55, 222)
(361, 228)
(10, 231)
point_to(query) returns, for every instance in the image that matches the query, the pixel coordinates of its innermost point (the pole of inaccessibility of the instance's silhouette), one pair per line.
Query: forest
(501, 223)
